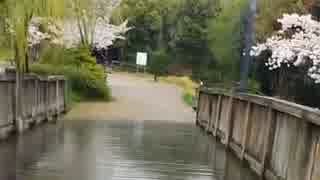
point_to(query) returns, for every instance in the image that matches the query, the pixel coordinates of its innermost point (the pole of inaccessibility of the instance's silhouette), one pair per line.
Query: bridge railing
(279, 139)
(43, 98)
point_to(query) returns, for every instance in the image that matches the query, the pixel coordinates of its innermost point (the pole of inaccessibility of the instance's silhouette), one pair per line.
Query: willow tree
(19, 15)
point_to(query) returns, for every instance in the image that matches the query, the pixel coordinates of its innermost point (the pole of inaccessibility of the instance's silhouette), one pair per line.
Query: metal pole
(248, 19)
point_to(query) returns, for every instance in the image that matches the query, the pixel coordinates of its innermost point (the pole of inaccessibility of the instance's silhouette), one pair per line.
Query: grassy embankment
(184, 82)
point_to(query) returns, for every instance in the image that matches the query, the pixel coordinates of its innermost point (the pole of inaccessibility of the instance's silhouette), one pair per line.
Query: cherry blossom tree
(90, 16)
(296, 44)
(53, 31)
(90, 25)
(103, 36)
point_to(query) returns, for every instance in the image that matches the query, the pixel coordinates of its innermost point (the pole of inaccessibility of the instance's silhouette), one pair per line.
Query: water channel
(118, 150)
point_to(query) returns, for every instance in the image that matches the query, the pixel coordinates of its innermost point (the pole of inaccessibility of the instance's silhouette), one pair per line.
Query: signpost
(142, 58)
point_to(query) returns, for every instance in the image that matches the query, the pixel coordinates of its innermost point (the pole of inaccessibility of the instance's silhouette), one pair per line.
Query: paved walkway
(137, 97)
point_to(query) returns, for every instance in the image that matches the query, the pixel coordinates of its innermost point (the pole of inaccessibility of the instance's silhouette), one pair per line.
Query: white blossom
(297, 43)
(104, 33)
(53, 32)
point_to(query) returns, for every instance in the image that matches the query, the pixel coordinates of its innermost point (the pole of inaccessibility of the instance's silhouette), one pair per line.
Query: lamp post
(248, 19)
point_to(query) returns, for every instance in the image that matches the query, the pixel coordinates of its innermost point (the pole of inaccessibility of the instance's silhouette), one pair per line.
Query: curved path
(137, 97)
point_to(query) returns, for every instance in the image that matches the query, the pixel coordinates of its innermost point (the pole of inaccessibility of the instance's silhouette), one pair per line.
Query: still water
(118, 150)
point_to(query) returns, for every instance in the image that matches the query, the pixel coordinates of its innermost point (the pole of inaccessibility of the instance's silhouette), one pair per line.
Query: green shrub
(86, 79)
(82, 81)
(159, 63)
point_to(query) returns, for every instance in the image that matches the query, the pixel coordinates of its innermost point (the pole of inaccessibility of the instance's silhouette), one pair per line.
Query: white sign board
(142, 58)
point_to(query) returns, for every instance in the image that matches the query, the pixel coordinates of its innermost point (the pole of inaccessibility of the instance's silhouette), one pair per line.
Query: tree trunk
(155, 78)
(160, 37)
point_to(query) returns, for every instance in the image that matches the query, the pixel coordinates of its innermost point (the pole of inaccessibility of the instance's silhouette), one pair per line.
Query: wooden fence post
(198, 107)
(209, 124)
(267, 140)
(229, 121)
(217, 116)
(246, 129)
(314, 149)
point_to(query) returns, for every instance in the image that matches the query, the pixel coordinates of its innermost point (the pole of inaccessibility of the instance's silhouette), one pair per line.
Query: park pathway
(137, 97)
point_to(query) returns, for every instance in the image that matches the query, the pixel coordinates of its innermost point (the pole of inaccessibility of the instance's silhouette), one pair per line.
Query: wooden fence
(43, 98)
(278, 139)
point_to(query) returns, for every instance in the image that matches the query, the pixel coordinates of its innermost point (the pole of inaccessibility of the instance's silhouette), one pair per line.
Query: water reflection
(118, 150)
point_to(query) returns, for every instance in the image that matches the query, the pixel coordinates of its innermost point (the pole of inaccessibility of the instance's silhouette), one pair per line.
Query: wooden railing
(43, 98)
(279, 139)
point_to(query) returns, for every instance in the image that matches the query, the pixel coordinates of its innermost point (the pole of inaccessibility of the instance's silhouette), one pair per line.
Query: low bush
(86, 79)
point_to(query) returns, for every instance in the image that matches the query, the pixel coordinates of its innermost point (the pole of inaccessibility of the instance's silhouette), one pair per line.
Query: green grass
(188, 86)
(188, 99)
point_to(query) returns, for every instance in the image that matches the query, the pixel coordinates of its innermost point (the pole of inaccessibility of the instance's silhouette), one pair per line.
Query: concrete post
(9, 90)
(18, 103)
(47, 99)
(57, 96)
(35, 99)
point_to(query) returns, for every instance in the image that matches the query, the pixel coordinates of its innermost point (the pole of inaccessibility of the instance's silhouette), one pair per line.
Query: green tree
(178, 27)
(159, 63)
(225, 41)
(191, 42)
